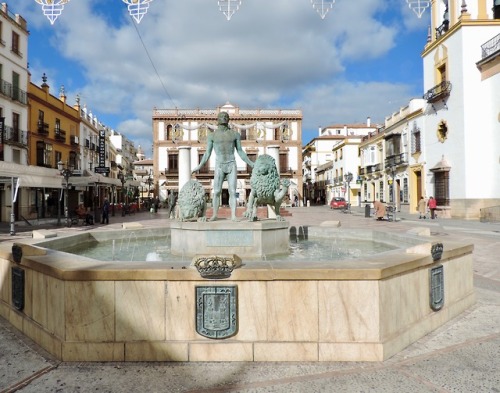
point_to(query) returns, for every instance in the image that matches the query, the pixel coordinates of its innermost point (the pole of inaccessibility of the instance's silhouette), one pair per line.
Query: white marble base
(246, 239)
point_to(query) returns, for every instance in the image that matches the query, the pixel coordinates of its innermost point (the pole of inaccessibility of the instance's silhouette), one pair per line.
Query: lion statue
(266, 187)
(192, 204)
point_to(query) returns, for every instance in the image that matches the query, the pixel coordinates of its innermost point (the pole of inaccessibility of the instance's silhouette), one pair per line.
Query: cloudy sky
(363, 60)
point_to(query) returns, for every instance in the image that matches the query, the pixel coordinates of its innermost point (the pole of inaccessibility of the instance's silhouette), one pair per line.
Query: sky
(362, 60)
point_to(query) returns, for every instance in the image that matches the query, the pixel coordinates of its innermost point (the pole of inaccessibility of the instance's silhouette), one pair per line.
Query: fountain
(362, 309)
(228, 296)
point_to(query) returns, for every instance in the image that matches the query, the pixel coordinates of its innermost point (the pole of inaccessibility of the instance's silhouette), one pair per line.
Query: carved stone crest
(18, 288)
(436, 288)
(216, 311)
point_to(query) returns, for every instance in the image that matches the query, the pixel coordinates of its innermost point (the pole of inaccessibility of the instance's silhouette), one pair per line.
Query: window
(442, 73)
(72, 160)
(58, 156)
(2, 42)
(173, 163)
(15, 122)
(442, 188)
(43, 154)
(496, 9)
(283, 162)
(15, 43)
(415, 139)
(15, 136)
(204, 168)
(381, 190)
(252, 157)
(57, 127)
(16, 92)
(405, 190)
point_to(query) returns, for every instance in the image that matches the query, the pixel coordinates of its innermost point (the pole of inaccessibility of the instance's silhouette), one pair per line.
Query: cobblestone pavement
(460, 356)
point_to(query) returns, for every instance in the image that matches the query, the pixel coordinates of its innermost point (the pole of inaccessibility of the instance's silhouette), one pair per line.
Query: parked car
(338, 203)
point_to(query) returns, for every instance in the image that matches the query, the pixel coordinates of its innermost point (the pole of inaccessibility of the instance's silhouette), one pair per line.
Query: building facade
(179, 142)
(462, 122)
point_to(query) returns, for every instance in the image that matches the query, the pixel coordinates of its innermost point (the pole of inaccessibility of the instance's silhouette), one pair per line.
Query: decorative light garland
(52, 9)
(418, 6)
(322, 6)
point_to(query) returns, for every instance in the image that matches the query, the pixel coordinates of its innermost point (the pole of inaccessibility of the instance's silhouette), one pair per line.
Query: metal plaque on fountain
(436, 286)
(18, 288)
(216, 311)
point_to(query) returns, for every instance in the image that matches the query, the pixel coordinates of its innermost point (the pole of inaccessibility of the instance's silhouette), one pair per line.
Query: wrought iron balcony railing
(395, 160)
(17, 137)
(43, 128)
(491, 46)
(60, 135)
(438, 92)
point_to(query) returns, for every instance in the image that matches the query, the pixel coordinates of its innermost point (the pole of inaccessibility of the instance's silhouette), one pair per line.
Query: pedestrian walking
(422, 208)
(105, 212)
(432, 207)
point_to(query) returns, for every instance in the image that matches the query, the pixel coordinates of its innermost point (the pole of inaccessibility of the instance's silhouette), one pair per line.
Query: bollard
(367, 210)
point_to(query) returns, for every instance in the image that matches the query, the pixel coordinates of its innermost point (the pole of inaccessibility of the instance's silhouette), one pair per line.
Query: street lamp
(393, 173)
(348, 179)
(66, 171)
(122, 180)
(149, 181)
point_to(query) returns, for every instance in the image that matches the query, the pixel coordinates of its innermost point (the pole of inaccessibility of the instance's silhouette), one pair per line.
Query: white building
(338, 144)
(179, 137)
(462, 123)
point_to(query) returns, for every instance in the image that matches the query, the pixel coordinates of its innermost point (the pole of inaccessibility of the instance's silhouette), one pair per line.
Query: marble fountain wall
(368, 309)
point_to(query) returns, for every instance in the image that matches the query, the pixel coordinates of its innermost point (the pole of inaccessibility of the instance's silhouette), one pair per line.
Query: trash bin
(367, 210)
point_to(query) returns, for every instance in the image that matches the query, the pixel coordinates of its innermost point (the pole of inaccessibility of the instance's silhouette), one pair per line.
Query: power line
(152, 63)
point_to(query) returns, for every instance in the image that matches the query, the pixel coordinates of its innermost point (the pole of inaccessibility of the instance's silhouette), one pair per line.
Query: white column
(184, 165)
(274, 152)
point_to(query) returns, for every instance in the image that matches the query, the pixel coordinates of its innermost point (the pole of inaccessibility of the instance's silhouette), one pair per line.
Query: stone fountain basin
(368, 309)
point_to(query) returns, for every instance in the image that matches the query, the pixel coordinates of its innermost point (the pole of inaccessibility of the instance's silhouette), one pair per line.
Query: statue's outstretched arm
(206, 156)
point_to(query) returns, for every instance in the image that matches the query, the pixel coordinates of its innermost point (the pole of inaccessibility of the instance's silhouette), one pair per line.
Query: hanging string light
(137, 8)
(418, 6)
(322, 6)
(52, 9)
(229, 7)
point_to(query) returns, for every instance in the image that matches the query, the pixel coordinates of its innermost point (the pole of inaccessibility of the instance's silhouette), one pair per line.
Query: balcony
(438, 92)
(43, 128)
(396, 160)
(16, 137)
(12, 92)
(19, 95)
(60, 135)
(73, 139)
(490, 47)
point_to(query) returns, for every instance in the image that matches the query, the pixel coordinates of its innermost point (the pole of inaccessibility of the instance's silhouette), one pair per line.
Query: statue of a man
(224, 140)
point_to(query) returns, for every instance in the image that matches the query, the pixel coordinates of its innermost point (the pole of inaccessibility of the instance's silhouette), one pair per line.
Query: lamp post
(393, 173)
(66, 171)
(122, 180)
(149, 181)
(348, 179)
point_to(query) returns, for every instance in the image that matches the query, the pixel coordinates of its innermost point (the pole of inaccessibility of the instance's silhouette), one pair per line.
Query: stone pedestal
(245, 239)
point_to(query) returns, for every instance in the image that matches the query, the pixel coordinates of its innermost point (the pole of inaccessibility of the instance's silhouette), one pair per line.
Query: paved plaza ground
(461, 356)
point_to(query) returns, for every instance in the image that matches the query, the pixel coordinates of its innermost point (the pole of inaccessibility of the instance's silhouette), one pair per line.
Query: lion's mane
(265, 179)
(192, 204)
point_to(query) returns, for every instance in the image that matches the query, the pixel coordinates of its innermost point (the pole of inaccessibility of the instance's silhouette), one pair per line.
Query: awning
(37, 181)
(31, 176)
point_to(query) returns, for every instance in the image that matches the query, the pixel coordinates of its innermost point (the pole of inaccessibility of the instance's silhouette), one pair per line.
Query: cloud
(186, 54)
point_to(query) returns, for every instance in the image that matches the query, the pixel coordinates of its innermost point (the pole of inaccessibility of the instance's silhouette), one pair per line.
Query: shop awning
(37, 181)
(31, 176)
